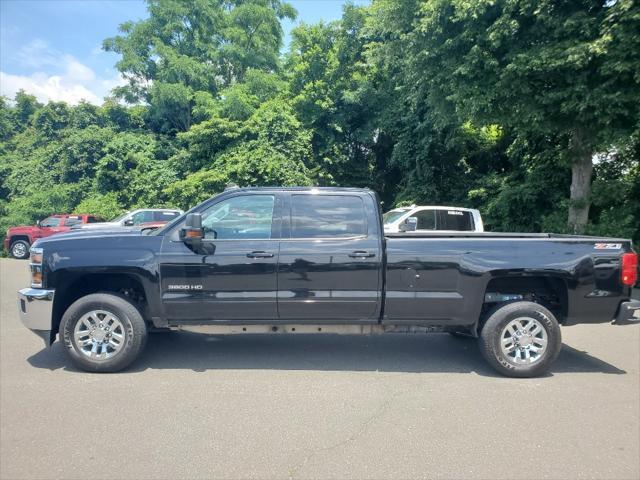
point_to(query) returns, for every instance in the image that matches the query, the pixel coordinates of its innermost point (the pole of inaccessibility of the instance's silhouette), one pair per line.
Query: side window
(142, 217)
(164, 216)
(317, 216)
(247, 217)
(426, 219)
(51, 222)
(92, 219)
(69, 221)
(455, 220)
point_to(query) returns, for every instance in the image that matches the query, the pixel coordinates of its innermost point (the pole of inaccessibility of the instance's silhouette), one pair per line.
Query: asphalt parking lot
(391, 406)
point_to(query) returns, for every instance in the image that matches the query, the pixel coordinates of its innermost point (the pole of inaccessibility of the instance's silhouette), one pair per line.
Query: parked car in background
(19, 239)
(143, 217)
(431, 218)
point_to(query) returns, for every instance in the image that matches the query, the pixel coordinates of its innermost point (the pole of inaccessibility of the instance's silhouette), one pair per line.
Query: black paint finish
(413, 279)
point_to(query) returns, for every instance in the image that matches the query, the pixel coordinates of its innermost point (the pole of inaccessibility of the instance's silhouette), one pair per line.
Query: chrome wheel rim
(99, 335)
(524, 341)
(19, 249)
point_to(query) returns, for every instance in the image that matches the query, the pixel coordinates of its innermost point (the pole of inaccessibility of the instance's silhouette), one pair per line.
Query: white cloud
(72, 82)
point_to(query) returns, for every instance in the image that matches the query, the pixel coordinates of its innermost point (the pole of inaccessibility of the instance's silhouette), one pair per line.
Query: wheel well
(79, 286)
(15, 238)
(550, 292)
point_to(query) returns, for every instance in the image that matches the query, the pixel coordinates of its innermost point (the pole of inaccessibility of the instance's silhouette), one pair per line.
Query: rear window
(455, 220)
(426, 219)
(319, 216)
(164, 216)
(73, 220)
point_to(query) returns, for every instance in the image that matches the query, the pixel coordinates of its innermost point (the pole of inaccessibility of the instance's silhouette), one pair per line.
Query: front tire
(103, 332)
(521, 339)
(20, 249)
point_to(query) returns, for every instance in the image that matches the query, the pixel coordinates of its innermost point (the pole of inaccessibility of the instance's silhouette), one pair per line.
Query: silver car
(142, 217)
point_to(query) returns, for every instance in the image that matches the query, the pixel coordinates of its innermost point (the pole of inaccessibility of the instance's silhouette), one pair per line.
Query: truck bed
(508, 235)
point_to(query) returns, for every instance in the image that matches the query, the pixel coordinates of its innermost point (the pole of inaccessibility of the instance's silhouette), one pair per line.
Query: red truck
(19, 239)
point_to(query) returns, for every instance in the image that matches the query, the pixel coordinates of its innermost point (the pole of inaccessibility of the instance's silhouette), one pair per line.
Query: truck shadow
(434, 353)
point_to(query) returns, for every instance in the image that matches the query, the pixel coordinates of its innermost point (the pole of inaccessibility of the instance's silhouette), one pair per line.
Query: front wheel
(103, 332)
(20, 249)
(521, 339)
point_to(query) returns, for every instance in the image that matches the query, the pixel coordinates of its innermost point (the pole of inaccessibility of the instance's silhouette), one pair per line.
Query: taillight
(629, 271)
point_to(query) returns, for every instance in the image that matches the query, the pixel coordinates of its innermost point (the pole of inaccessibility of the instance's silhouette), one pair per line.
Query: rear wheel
(20, 249)
(103, 332)
(521, 339)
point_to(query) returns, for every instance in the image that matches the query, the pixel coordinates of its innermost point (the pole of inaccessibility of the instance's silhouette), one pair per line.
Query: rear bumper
(5, 243)
(628, 313)
(35, 306)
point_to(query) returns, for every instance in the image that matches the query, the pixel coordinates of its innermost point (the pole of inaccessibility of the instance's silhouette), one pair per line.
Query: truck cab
(430, 218)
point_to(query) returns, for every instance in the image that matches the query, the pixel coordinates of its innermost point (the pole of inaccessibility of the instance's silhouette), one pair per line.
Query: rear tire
(521, 339)
(20, 249)
(103, 332)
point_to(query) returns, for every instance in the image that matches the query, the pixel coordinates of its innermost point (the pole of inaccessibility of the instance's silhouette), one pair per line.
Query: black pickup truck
(315, 260)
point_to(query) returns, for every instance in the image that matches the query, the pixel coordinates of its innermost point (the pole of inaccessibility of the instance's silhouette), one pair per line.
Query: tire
(99, 349)
(19, 249)
(538, 340)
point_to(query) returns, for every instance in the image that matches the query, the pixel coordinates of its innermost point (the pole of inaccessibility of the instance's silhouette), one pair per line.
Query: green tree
(571, 70)
(335, 99)
(204, 45)
(25, 106)
(104, 206)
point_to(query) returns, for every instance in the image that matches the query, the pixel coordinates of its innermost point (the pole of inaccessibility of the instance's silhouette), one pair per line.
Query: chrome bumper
(36, 311)
(628, 313)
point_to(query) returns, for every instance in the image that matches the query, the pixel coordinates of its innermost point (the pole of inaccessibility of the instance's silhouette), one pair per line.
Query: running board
(306, 329)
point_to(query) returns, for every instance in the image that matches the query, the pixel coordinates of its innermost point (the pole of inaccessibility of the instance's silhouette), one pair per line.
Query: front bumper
(36, 311)
(628, 313)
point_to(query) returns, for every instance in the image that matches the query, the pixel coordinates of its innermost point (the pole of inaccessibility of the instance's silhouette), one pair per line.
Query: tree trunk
(581, 172)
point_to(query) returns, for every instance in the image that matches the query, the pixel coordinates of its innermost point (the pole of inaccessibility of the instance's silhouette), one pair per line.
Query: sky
(52, 48)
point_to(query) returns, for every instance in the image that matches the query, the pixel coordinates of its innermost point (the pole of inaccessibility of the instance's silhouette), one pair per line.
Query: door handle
(361, 254)
(259, 254)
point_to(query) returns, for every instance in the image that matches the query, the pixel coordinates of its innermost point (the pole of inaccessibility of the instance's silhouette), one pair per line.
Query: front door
(232, 277)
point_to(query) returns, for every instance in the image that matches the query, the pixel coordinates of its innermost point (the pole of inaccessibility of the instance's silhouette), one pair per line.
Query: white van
(433, 218)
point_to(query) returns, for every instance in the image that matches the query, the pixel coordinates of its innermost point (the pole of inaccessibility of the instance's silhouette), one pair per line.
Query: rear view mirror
(409, 225)
(192, 232)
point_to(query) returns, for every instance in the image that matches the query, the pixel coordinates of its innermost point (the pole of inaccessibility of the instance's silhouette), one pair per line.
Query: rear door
(330, 259)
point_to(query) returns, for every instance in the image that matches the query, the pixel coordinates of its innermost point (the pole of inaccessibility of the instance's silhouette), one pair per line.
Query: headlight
(36, 267)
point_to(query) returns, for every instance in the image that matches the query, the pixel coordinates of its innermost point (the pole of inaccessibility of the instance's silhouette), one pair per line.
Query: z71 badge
(608, 246)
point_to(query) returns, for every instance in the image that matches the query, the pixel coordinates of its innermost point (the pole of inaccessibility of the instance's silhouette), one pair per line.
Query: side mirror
(128, 223)
(192, 233)
(38, 223)
(409, 225)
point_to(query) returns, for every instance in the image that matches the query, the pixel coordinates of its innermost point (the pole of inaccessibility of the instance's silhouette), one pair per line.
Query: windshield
(120, 217)
(393, 215)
